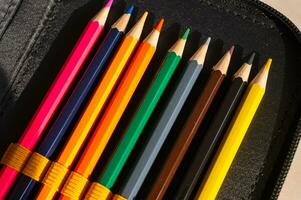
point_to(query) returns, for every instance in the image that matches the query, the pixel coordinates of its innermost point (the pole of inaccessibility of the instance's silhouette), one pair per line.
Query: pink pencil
(55, 94)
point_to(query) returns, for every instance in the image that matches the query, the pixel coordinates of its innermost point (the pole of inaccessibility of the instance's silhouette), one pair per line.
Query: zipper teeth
(297, 135)
(280, 16)
(287, 162)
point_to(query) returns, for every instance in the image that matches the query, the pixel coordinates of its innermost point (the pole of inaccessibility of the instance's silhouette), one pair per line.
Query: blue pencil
(48, 146)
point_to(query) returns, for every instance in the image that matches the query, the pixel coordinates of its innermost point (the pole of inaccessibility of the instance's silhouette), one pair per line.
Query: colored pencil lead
(186, 33)
(130, 9)
(109, 3)
(251, 59)
(159, 25)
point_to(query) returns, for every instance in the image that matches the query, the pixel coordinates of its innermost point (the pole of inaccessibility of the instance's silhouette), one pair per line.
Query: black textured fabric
(7, 11)
(38, 35)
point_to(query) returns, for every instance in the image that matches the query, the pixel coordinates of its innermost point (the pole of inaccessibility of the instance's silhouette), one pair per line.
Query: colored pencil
(234, 136)
(112, 115)
(148, 154)
(50, 143)
(146, 48)
(53, 99)
(140, 118)
(76, 100)
(215, 131)
(176, 155)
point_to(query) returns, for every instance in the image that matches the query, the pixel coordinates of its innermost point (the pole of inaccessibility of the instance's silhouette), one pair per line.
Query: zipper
(279, 16)
(287, 162)
(297, 134)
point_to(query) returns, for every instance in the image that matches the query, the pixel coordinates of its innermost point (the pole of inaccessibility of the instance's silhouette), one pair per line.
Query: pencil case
(36, 37)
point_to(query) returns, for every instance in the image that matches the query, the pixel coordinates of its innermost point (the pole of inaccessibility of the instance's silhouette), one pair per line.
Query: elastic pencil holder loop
(75, 186)
(55, 176)
(118, 197)
(98, 191)
(36, 166)
(15, 156)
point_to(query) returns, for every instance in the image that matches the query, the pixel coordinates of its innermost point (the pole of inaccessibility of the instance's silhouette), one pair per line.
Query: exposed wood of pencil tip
(102, 15)
(122, 22)
(153, 36)
(244, 71)
(262, 76)
(200, 54)
(223, 63)
(179, 46)
(136, 31)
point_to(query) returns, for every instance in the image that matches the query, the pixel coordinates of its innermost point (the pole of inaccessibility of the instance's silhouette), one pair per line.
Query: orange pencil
(58, 170)
(77, 180)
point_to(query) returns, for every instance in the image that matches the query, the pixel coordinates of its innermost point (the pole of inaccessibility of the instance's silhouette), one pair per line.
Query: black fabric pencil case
(36, 37)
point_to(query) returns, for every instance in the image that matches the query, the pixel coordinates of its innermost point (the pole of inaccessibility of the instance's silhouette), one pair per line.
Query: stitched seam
(9, 4)
(23, 58)
(244, 17)
(287, 162)
(11, 8)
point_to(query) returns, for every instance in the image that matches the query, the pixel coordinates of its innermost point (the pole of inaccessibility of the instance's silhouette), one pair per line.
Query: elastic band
(55, 175)
(36, 166)
(15, 156)
(98, 191)
(75, 185)
(118, 197)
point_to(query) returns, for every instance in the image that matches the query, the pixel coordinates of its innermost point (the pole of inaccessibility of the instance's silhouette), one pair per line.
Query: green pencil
(141, 117)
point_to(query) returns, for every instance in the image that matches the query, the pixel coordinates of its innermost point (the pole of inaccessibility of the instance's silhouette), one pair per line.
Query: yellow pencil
(235, 134)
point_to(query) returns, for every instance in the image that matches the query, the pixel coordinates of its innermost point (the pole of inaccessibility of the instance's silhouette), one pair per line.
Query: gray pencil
(168, 116)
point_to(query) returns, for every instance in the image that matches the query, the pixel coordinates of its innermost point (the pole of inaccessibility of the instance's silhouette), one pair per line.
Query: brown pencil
(190, 128)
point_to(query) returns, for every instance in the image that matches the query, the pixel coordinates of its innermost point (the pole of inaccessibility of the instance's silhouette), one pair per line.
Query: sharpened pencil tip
(130, 9)
(144, 16)
(159, 25)
(251, 59)
(185, 35)
(231, 50)
(208, 41)
(262, 76)
(136, 30)
(109, 3)
(268, 64)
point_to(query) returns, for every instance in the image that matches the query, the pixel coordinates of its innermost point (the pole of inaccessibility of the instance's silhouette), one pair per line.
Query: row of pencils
(116, 69)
